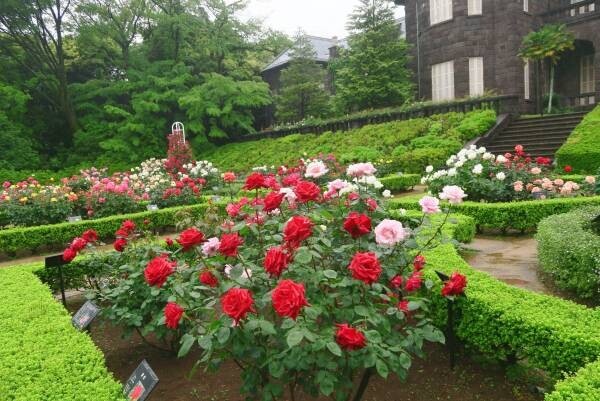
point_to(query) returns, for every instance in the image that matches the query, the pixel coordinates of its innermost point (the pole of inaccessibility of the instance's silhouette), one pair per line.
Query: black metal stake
(364, 382)
(450, 334)
(62, 286)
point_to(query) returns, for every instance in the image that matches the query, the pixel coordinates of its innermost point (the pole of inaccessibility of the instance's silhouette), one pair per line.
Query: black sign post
(58, 262)
(450, 335)
(85, 315)
(141, 383)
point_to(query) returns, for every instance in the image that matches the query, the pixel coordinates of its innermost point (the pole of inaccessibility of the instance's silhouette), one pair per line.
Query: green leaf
(405, 361)
(382, 368)
(276, 369)
(186, 344)
(303, 256)
(334, 348)
(361, 310)
(223, 334)
(294, 338)
(330, 273)
(266, 327)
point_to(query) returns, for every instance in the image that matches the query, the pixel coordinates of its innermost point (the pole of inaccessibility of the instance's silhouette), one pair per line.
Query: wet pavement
(512, 259)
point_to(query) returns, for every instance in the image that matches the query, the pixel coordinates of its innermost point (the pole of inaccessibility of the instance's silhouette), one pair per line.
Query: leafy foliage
(580, 151)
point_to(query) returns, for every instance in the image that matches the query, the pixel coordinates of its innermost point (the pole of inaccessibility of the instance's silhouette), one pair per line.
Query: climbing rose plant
(306, 285)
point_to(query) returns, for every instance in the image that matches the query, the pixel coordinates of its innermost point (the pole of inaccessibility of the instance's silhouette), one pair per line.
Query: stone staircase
(541, 136)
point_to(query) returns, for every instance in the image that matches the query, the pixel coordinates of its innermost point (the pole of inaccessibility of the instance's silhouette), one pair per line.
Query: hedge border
(399, 183)
(583, 386)
(581, 150)
(58, 235)
(524, 215)
(42, 355)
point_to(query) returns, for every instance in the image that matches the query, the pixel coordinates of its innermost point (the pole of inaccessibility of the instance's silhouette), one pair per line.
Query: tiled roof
(321, 46)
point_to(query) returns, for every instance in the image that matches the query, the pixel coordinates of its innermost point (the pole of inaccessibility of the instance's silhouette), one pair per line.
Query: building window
(474, 7)
(442, 81)
(440, 11)
(527, 85)
(586, 74)
(583, 9)
(476, 86)
(526, 6)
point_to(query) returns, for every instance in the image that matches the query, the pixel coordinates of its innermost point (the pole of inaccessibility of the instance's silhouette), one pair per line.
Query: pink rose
(518, 186)
(453, 194)
(316, 169)
(337, 185)
(211, 247)
(558, 182)
(429, 204)
(361, 170)
(390, 232)
(536, 170)
(590, 179)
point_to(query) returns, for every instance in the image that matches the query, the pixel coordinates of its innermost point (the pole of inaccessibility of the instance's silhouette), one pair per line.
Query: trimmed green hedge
(570, 251)
(524, 215)
(58, 235)
(499, 320)
(581, 151)
(399, 183)
(584, 386)
(42, 356)
(458, 227)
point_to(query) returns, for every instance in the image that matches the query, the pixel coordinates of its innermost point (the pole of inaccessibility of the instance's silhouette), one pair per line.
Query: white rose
(501, 176)
(429, 169)
(478, 169)
(386, 193)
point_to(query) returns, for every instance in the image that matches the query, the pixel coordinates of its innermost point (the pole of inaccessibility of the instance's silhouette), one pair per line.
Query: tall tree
(302, 92)
(373, 72)
(548, 43)
(37, 28)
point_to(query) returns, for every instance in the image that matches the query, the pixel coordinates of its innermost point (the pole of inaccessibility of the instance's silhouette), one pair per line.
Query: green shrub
(400, 182)
(583, 386)
(368, 143)
(458, 227)
(42, 356)
(524, 215)
(475, 124)
(58, 235)
(570, 251)
(581, 151)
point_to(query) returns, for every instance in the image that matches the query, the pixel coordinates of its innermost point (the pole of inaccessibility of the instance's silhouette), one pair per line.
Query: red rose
(353, 196)
(403, 306)
(272, 201)
(297, 230)
(568, 169)
(414, 282)
(291, 180)
(237, 303)
(307, 191)
(372, 204)
(90, 235)
(419, 262)
(229, 177)
(173, 314)
(255, 181)
(229, 244)
(158, 270)
(349, 338)
(209, 279)
(276, 260)
(190, 238)
(288, 299)
(455, 285)
(169, 241)
(78, 244)
(271, 182)
(128, 226)
(397, 281)
(121, 233)
(357, 224)
(365, 267)
(120, 244)
(69, 254)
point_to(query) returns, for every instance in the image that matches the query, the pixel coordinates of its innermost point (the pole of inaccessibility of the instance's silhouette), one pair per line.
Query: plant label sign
(73, 219)
(152, 208)
(141, 383)
(85, 315)
(54, 261)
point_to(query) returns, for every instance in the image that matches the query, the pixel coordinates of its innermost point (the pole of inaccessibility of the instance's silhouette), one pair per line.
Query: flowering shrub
(304, 285)
(508, 177)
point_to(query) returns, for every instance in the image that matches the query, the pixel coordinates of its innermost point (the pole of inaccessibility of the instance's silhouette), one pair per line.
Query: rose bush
(303, 297)
(503, 178)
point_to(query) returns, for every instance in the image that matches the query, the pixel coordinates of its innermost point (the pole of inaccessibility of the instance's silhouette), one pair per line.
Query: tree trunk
(551, 88)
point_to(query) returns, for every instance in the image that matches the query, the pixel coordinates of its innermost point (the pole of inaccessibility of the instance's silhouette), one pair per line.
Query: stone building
(464, 48)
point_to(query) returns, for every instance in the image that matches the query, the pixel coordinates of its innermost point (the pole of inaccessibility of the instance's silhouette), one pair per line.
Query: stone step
(550, 125)
(546, 150)
(542, 136)
(528, 143)
(557, 117)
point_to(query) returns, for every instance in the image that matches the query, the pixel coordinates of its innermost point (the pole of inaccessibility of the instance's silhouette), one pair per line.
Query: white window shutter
(476, 86)
(526, 75)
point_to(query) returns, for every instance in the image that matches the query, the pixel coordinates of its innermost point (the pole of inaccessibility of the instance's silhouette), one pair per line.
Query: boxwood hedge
(400, 182)
(42, 356)
(583, 386)
(581, 150)
(523, 215)
(58, 235)
(569, 251)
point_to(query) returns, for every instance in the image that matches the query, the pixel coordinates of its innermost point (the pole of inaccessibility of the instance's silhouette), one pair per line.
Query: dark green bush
(569, 251)
(581, 151)
(415, 161)
(42, 356)
(523, 215)
(399, 183)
